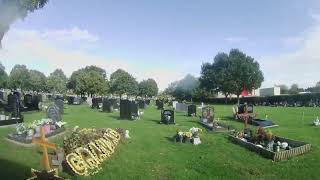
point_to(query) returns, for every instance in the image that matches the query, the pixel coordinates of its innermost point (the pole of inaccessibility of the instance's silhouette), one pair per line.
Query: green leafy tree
(89, 80)
(121, 82)
(57, 81)
(217, 77)
(19, 77)
(11, 10)
(3, 77)
(183, 89)
(148, 88)
(245, 72)
(37, 81)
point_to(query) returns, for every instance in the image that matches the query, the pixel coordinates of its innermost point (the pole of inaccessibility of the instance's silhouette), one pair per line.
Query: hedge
(310, 99)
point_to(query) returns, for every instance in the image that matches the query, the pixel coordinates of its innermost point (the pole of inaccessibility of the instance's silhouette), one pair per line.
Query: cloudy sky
(167, 39)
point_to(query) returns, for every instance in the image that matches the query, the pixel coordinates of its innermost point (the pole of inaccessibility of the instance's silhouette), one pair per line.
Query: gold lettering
(77, 164)
(88, 157)
(96, 152)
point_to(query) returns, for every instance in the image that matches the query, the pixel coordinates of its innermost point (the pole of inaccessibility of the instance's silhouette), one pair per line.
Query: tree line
(230, 74)
(90, 80)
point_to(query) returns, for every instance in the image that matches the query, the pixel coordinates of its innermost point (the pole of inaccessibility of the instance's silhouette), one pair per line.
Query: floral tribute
(189, 136)
(86, 149)
(263, 139)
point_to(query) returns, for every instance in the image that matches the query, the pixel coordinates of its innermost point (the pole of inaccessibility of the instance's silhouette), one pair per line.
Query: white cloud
(292, 41)
(300, 66)
(235, 39)
(46, 51)
(69, 35)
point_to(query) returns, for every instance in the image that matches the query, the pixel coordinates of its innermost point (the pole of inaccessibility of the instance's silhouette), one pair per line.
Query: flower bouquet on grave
(179, 136)
(195, 131)
(30, 129)
(270, 140)
(21, 128)
(187, 137)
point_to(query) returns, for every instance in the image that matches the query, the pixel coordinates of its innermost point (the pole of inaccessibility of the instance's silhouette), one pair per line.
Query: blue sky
(167, 39)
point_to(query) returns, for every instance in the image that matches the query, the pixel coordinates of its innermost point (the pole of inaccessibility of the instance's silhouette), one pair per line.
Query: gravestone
(142, 104)
(115, 103)
(95, 103)
(192, 110)
(37, 99)
(129, 109)
(89, 101)
(60, 104)
(27, 101)
(54, 113)
(181, 107)
(70, 100)
(167, 117)
(77, 100)
(207, 115)
(174, 104)
(13, 105)
(107, 105)
(159, 104)
(148, 102)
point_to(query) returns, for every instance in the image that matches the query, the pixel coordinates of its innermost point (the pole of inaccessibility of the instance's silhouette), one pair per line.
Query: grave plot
(96, 103)
(11, 114)
(208, 121)
(189, 109)
(107, 105)
(90, 145)
(129, 110)
(52, 125)
(167, 117)
(32, 102)
(191, 136)
(74, 100)
(244, 113)
(142, 104)
(269, 146)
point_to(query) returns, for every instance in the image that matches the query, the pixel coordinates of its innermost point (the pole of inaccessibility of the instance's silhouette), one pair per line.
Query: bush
(311, 99)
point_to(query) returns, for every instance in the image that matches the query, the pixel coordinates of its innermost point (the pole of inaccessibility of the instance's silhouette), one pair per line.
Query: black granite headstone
(167, 117)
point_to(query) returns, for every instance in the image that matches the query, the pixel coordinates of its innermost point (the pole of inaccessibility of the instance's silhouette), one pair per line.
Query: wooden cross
(45, 145)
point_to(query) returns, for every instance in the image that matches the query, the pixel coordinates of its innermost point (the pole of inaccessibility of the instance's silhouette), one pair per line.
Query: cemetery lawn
(150, 154)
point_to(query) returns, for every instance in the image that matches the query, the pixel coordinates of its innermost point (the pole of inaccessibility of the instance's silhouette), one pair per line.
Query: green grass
(149, 154)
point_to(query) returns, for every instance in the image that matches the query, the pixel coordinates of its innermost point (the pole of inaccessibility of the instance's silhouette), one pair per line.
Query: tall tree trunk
(238, 97)
(226, 100)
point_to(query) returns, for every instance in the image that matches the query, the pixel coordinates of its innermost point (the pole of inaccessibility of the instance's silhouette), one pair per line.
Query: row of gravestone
(190, 109)
(109, 104)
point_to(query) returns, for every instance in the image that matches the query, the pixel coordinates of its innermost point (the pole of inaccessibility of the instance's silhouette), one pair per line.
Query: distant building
(274, 91)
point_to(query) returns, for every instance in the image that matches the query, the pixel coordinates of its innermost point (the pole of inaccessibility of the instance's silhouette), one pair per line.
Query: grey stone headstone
(53, 113)
(60, 104)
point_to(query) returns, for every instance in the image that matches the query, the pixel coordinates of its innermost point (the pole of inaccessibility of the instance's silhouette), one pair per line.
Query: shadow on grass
(170, 139)
(12, 170)
(116, 117)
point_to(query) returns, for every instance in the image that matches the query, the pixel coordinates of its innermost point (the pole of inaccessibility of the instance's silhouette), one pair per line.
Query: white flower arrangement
(316, 122)
(194, 130)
